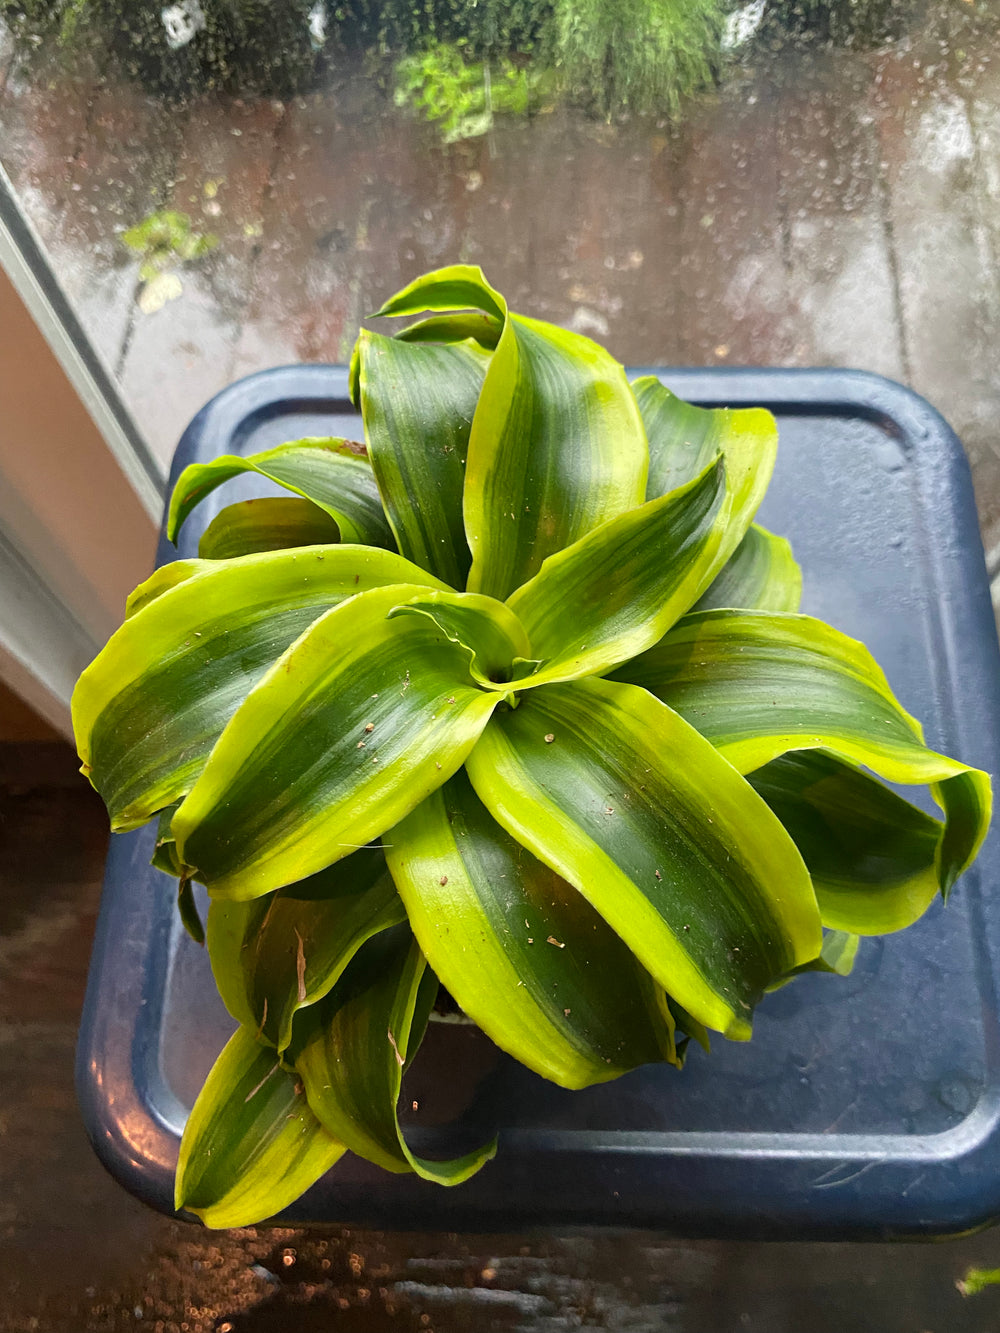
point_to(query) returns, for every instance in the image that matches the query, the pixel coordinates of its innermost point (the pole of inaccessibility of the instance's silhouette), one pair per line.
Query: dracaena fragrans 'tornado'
(515, 698)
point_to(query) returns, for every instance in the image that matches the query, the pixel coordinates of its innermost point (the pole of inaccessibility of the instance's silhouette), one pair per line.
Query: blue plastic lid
(865, 1107)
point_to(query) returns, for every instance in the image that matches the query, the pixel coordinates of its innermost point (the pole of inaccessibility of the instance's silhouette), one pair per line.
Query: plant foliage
(462, 96)
(977, 1280)
(611, 56)
(638, 55)
(644, 56)
(517, 699)
(237, 46)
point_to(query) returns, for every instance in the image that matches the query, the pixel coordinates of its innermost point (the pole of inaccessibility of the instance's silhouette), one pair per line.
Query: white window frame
(81, 494)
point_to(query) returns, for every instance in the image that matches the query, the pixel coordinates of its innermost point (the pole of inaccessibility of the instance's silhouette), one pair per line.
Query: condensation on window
(228, 185)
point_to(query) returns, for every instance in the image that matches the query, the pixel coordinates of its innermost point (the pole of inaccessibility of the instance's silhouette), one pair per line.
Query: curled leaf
(251, 1144)
(332, 473)
(351, 1049)
(275, 955)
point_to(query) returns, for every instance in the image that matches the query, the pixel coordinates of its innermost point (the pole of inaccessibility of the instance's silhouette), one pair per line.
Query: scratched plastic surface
(862, 1107)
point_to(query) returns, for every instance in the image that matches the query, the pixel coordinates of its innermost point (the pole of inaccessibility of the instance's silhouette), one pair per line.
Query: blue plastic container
(862, 1108)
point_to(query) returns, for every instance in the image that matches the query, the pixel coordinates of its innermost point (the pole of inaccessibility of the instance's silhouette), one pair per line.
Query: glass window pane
(225, 185)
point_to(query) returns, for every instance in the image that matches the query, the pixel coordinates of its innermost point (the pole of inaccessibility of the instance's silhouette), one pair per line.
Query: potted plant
(514, 699)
